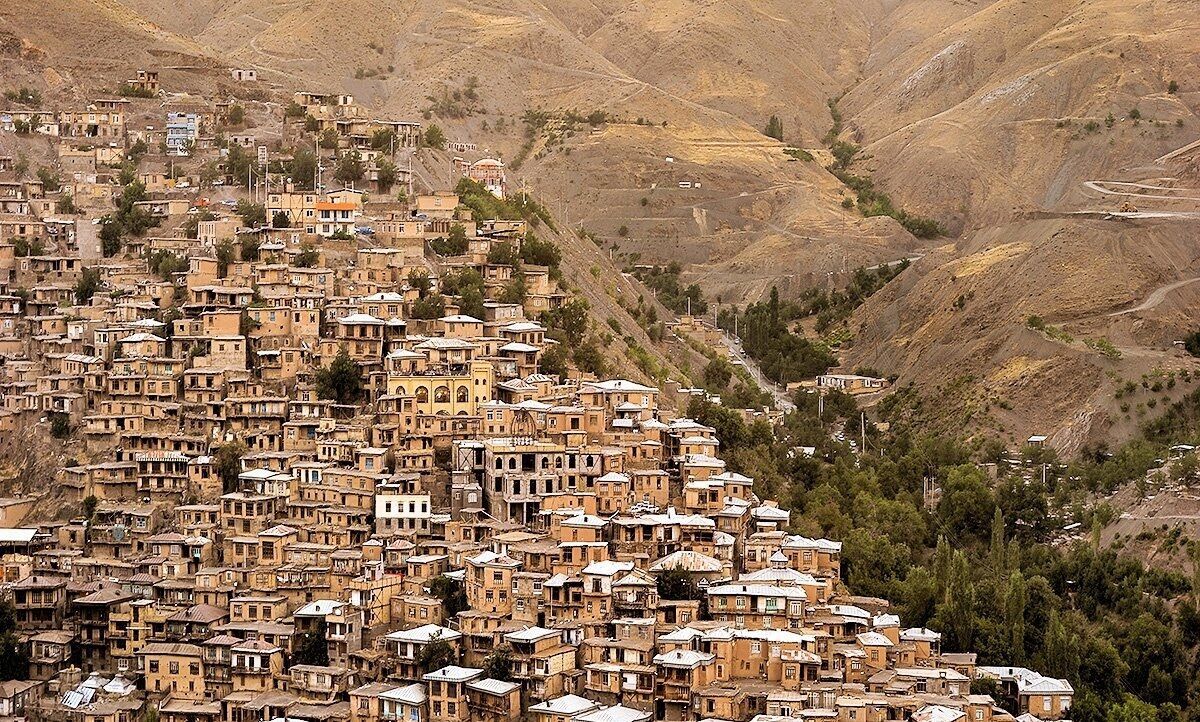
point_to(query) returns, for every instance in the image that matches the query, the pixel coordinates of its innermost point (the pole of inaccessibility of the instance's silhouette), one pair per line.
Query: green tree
(717, 375)
(452, 594)
(303, 168)
(434, 137)
(60, 425)
(191, 224)
(434, 655)
(571, 318)
(1060, 650)
(997, 553)
(238, 164)
(308, 256)
(589, 358)
(677, 584)
(383, 139)
(553, 361)
(1132, 709)
(498, 664)
(958, 611)
(227, 464)
(14, 659)
(236, 115)
(503, 254)
(281, 220)
(843, 153)
(539, 252)
(420, 281)
(87, 285)
(226, 254)
(253, 214)
(249, 244)
(774, 128)
(731, 429)
(51, 181)
(1014, 617)
(312, 647)
(470, 301)
(429, 306)
(874, 563)
(454, 244)
(919, 596)
(350, 167)
(110, 236)
(341, 380)
(386, 174)
(516, 290)
(966, 506)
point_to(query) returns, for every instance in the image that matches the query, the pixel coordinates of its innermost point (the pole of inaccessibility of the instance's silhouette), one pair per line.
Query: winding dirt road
(1157, 296)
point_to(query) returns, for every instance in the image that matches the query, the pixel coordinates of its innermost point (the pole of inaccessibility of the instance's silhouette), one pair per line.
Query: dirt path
(1098, 186)
(1157, 296)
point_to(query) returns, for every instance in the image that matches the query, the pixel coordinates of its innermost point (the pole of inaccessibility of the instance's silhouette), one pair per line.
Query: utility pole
(863, 423)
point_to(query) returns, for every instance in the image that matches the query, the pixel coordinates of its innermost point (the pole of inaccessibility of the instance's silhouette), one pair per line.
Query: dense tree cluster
(664, 281)
(976, 565)
(770, 337)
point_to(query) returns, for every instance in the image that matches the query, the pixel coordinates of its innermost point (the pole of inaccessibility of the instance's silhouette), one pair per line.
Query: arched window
(441, 394)
(463, 395)
(512, 462)
(499, 463)
(422, 395)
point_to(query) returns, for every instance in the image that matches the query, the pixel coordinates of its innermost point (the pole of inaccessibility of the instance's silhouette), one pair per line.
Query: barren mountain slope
(740, 58)
(989, 115)
(960, 326)
(706, 74)
(79, 49)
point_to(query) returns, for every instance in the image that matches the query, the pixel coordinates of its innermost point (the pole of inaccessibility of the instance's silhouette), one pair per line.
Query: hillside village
(340, 451)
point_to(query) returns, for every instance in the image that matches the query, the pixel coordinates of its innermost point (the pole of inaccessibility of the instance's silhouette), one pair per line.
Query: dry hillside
(1020, 125)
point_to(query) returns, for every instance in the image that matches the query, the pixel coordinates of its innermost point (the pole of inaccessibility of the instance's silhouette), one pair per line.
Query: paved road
(782, 402)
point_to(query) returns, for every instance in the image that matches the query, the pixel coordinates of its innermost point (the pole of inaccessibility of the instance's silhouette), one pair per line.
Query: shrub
(60, 425)
(774, 128)
(341, 380)
(434, 137)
